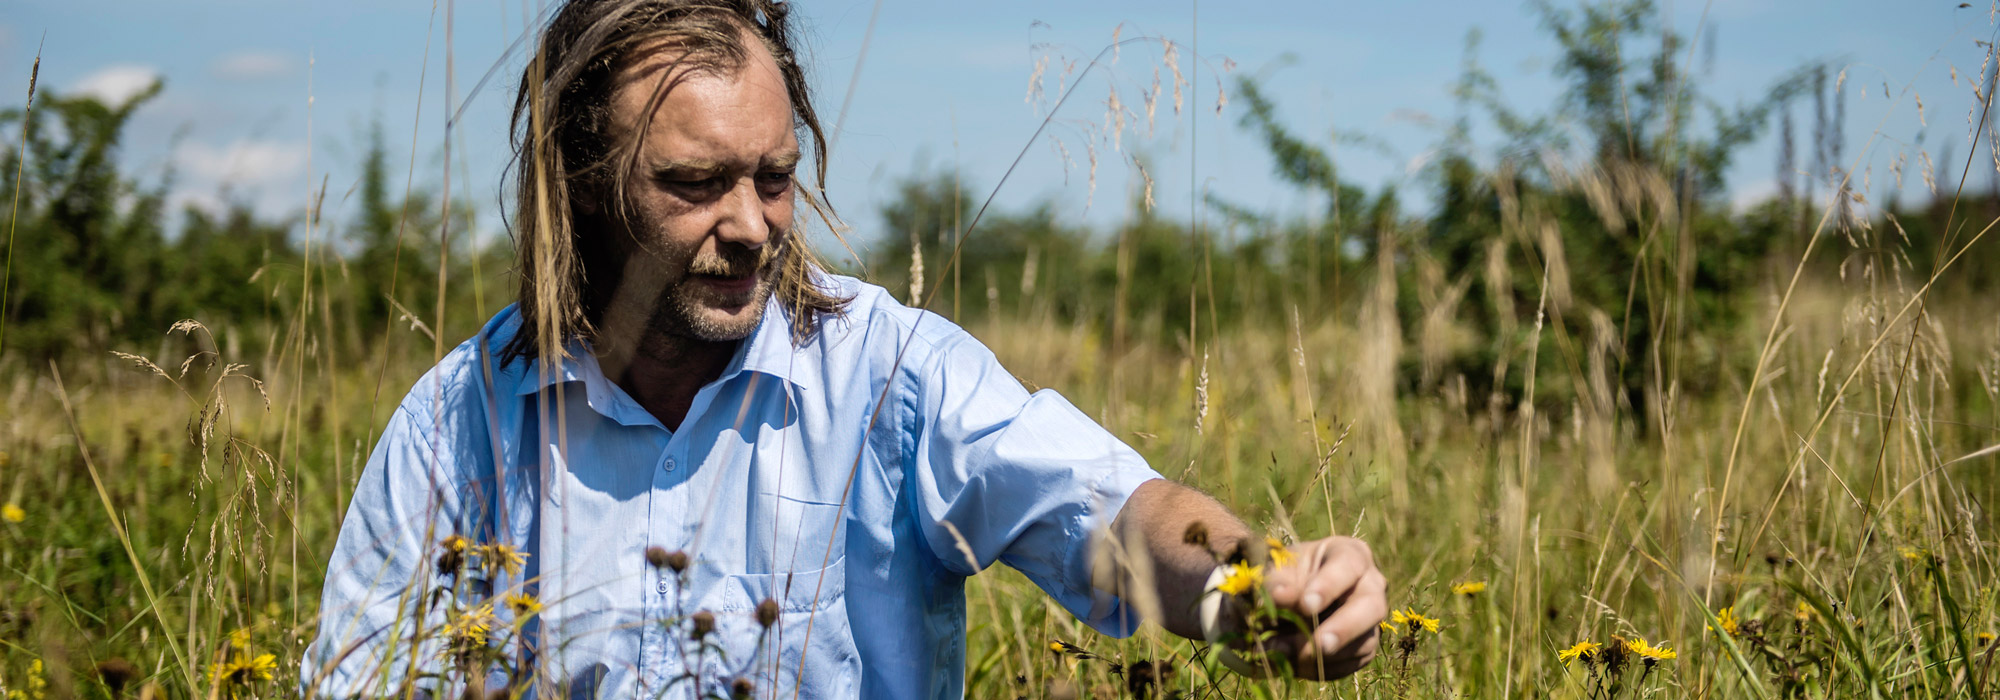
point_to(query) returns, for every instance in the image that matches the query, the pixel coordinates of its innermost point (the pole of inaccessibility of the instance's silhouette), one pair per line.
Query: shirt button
(663, 584)
(668, 465)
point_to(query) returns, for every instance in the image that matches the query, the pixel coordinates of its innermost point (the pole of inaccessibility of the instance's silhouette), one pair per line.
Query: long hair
(566, 153)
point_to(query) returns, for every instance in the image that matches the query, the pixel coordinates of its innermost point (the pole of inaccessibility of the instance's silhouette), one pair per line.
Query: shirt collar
(768, 350)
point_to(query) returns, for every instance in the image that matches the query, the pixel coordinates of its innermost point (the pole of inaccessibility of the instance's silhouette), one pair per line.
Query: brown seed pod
(659, 558)
(704, 623)
(767, 613)
(742, 688)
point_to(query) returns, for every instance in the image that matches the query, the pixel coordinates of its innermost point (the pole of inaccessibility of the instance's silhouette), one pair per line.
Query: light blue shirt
(854, 488)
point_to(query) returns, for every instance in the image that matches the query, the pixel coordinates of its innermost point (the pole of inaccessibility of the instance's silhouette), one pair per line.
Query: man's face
(710, 194)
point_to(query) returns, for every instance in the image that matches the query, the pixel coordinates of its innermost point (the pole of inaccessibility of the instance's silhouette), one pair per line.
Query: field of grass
(1836, 522)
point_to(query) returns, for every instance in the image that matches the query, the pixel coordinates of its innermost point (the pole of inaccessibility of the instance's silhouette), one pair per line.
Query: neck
(664, 372)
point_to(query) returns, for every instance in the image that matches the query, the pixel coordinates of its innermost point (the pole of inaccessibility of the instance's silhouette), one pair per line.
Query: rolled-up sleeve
(403, 504)
(1024, 479)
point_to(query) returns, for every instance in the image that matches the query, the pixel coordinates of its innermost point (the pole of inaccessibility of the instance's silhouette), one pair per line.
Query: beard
(700, 304)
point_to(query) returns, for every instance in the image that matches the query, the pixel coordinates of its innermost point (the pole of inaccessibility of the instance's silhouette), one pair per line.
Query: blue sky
(944, 87)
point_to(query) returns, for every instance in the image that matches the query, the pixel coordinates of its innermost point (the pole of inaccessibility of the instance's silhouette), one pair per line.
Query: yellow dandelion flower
(1280, 556)
(1804, 611)
(1727, 616)
(1386, 627)
(455, 544)
(1585, 650)
(500, 557)
(1242, 578)
(240, 638)
(1984, 638)
(523, 605)
(1430, 624)
(12, 513)
(1469, 588)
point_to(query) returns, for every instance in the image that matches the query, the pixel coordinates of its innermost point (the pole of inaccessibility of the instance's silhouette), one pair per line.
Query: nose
(741, 219)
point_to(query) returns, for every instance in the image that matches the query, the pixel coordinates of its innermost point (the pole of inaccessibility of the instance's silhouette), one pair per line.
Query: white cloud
(117, 83)
(243, 162)
(252, 65)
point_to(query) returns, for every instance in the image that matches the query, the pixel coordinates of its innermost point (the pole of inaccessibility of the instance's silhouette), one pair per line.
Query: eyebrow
(704, 167)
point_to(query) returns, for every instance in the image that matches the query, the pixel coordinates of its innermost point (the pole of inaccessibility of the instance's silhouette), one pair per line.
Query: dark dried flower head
(767, 613)
(742, 688)
(1145, 679)
(115, 673)
(451, 557)
(704, 623)
(659, 558)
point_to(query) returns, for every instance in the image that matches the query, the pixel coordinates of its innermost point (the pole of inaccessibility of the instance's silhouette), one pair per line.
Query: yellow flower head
(1727, 616)
(455, 544)
(1649, 653)
(12, 513)
(241, 669)
(38, 686)
(240, 638)
(523, 605)
(1913, 554)
(1804, 611)
(1280, 556)
(1984, 638)
(500, 557)
(472, 626)
(1241, 578)
(1469, 588)
(1585, 650)
(1412, 620)
(1386, 627)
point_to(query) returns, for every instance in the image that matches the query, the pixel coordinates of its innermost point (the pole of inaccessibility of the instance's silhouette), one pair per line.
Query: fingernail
(1329, 641)
(1312, 602)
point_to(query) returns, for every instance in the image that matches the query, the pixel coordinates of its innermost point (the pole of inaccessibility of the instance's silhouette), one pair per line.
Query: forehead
(682, 109)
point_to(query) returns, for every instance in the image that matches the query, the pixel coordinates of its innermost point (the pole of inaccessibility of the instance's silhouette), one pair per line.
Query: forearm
(1154, 557)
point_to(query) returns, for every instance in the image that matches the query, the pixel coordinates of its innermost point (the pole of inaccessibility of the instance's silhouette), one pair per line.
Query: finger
(1344, 561)
(1286, 583)
(1366, 605)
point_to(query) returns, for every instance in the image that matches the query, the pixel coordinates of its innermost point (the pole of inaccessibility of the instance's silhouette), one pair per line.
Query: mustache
(738, 262)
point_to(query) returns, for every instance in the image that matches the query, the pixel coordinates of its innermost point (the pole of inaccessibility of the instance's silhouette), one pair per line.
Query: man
(690, 462)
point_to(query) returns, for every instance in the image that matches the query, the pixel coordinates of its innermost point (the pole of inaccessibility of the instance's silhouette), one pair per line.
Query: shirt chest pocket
(786, 631)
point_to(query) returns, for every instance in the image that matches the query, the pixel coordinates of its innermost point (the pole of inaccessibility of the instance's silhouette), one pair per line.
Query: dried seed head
(742, 688)
(117, 672)
(767, 613)
(704, 623)
(659, 558)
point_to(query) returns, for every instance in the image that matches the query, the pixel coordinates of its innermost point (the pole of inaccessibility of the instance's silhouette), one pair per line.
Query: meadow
(1607, 437)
